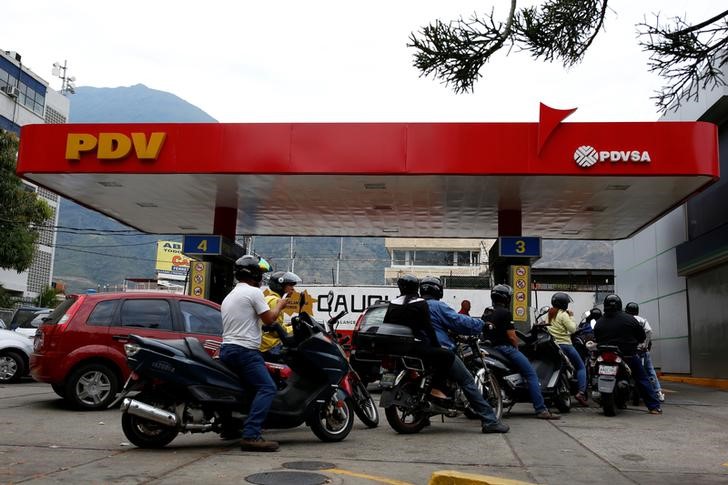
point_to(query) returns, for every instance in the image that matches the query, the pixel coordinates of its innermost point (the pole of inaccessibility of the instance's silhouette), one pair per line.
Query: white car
(15, 350)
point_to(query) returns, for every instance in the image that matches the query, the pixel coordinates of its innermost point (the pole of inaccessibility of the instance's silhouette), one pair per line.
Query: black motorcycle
(364, 406)
(554, 370)
(182, 389)
(611, 381)
(406, 381)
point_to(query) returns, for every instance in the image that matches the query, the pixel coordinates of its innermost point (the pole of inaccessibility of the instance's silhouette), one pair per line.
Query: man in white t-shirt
(244, 311)
(644, 348)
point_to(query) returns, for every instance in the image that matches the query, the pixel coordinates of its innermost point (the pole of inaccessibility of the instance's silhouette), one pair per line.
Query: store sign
(114, 146)
(585, 156)
(170, 258)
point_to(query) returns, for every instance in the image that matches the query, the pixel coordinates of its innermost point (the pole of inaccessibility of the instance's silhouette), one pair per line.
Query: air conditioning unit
(11, 91)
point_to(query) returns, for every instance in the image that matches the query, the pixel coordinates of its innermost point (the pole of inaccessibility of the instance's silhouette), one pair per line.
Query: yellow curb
(697, 381)
(452, 477)
(373, 478)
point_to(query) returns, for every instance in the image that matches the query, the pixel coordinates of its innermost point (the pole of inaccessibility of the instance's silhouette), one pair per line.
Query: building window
(39, 273)
(433, 258)
(54, 117)
(400, 257)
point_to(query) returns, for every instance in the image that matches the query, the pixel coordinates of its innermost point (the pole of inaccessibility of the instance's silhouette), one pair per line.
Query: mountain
(96, 257)
(133, 104)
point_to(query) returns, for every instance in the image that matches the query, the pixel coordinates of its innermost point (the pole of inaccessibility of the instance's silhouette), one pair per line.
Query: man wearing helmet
(643, 349)
(410, 310)
(280, 284)
(244, 311)
(444, 319)
(561, 326)
(621, 329)
(505, 340)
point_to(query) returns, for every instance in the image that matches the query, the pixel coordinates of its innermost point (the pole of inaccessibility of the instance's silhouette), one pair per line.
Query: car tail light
(70, 313)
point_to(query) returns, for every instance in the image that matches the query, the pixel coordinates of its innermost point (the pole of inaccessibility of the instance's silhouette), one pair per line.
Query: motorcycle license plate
(387, 380)
(610, 370)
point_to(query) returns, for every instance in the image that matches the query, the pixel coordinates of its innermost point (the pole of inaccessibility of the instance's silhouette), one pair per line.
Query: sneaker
(499, 427)
(258, 444)
(581, 399)
(547, 415)
(656, 411)
(661, 396)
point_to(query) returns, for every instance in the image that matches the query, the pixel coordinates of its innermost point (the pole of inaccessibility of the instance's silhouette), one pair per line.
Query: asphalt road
(42, 441)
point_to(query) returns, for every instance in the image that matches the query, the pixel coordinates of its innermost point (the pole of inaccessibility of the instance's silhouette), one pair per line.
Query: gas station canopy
(567, 181)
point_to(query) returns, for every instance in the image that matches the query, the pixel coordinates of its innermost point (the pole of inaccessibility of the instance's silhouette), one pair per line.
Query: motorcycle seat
(198, 353)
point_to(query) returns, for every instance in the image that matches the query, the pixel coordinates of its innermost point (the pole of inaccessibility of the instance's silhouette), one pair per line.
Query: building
(25, 98)
(453, 259)
(677, 267)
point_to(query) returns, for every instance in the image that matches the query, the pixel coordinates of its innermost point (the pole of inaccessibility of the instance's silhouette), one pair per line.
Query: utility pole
(293, 256)
(338, 259)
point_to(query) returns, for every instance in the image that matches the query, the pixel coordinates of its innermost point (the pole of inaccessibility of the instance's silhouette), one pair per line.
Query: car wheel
(59, 389)
(12, 366)
(92, 386)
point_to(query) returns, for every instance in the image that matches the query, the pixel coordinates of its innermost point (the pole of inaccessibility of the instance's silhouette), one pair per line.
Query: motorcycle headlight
(131, 349)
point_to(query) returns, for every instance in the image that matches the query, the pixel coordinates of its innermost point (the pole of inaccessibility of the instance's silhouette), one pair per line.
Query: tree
(21, 212)
(47, 298)
(688, 57)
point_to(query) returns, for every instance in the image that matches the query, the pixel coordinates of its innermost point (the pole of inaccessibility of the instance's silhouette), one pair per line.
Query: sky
(329, 61)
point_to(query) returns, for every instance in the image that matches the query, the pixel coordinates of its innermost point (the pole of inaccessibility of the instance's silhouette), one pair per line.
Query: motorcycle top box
(387, 339)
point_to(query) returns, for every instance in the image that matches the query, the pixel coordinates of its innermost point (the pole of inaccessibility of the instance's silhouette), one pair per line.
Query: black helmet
(408, 284)
(561, 301)
(431, 286)
(501, 294)
(632, 308)
(279, 279)
(612, 304)
(595, 314)
(251, 267)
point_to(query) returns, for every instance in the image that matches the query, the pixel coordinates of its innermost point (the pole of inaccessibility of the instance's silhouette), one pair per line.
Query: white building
(25, 98)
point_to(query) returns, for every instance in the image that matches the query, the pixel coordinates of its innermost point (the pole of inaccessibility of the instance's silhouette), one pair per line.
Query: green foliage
(47, 298)
(6, 299)
(21, 212)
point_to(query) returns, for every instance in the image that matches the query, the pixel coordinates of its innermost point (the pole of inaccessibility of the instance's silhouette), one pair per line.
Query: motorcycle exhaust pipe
(138, 408)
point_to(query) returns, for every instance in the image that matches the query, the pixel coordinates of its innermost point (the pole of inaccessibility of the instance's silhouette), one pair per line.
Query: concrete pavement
(42, 441)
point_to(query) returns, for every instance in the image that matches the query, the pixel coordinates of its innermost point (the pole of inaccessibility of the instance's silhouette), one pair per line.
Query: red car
(79, 348)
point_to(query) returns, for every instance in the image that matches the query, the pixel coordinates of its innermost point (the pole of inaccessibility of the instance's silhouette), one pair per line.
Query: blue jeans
(248, 364)
(651, 374)
(578, 364)
(644, 386)
(460, 374)
(526, 370)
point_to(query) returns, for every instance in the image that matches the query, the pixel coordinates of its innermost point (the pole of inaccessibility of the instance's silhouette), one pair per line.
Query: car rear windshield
(58, 313)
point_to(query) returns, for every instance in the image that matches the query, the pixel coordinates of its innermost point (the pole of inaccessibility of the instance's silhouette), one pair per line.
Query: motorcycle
(611, 378)
(364, 406)
(469, 351)
(181, 389)
(554, 370)
(406, 381)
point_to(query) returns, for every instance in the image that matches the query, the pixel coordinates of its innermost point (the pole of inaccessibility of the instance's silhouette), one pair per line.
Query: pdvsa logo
(115, 146)
(585, 156)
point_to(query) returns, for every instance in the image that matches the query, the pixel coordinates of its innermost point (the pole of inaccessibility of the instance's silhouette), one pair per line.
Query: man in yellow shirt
(281, 284)
(561, 326)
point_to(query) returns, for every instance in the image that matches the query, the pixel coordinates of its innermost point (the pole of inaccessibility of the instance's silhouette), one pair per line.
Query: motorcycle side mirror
(330, 300)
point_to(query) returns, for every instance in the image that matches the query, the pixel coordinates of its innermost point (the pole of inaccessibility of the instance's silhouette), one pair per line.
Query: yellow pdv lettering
(113, 146)
(148, 149)
(77, 143)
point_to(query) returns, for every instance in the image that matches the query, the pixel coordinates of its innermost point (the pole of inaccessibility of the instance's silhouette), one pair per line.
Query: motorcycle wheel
(364, 405)
(332, 421)
(397, 417)
(145, 433)
(608, 404)
(491, 391)
(562, 400)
